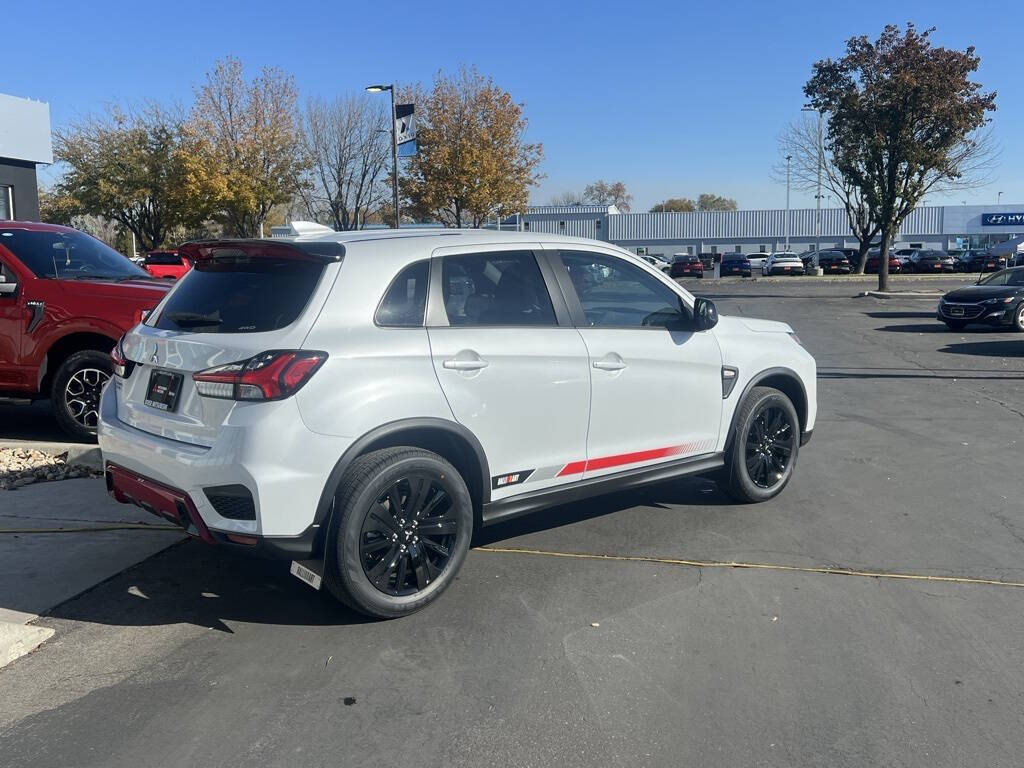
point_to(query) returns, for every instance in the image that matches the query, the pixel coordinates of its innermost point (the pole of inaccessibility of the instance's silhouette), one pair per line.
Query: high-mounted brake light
(122, 365)
(270, 375)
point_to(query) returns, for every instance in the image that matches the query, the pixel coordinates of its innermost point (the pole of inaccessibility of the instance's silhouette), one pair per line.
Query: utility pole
(817, 197)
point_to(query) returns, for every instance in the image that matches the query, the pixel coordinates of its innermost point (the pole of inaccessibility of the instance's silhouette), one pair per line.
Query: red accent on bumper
(158, 499)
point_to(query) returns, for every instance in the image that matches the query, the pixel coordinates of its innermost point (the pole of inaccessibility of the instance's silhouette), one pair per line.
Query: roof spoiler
(199, 250)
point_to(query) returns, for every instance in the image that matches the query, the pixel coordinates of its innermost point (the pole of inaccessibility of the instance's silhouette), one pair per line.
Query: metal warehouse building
(940, 227)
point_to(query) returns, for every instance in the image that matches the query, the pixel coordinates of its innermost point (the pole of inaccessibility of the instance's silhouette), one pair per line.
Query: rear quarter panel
(373, 375)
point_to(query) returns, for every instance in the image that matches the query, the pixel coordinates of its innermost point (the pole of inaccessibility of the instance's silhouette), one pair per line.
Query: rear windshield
(163, 259)
(240, 295)
(68, 255)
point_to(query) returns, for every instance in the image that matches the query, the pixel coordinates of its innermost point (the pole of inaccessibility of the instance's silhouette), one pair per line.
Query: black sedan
(735, 264)
(832, 262)
(979, 261)
(930, 262)
(997, 300)
(686, 265)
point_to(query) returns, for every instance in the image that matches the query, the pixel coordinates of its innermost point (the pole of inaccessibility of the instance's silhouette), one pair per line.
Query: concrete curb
(902, 294)
(78, 453)
(16, 640)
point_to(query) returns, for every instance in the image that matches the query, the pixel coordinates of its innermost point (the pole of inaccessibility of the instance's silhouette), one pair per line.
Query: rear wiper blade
(193, 319)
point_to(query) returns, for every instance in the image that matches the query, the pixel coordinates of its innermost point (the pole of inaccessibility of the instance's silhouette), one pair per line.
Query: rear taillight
(267, 376)
(122, 365)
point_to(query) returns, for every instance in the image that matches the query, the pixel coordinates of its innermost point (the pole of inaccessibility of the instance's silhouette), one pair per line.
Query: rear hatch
(240, 299)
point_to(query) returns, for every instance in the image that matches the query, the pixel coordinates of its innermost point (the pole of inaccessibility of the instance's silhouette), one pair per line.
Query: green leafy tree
(139, 169)
(675, 205)
(904, 120)
(710, 202)
(473, 163)
(250, 140)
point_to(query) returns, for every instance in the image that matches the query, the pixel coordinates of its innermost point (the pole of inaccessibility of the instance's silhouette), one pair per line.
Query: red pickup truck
(65, 300)
(167, 264)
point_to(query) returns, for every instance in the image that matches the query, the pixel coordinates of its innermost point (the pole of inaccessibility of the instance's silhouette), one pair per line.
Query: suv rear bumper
(276, 458)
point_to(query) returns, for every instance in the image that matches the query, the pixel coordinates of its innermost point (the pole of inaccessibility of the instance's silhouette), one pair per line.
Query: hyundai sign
(1002, 219)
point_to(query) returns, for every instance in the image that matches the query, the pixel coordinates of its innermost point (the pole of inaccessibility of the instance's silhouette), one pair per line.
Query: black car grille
(232, 501)
(961, 311)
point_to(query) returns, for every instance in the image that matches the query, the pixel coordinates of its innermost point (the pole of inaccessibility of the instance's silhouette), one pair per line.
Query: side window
(498, 288)
(616, 294)
(406, 298)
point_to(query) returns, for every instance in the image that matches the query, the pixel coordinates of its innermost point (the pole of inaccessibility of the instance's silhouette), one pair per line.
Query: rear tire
(763, 446)
(75, 394)
(403, 520)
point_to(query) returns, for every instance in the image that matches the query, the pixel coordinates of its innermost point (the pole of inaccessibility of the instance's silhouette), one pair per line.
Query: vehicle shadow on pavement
(901, 315)
(194, 583)
(935, 327)
(1007, 348)
(690, 491)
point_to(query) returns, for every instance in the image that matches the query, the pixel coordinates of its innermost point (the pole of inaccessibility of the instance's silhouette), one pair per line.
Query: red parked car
(168, 264)
(874, 259)
(65, 300)
(686, 265)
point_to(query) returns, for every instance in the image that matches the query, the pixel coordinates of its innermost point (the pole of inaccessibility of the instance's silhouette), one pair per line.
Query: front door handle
(610, 362)
(466, 360)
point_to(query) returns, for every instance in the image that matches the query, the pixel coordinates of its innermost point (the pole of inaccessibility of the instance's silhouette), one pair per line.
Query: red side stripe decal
(603, 462)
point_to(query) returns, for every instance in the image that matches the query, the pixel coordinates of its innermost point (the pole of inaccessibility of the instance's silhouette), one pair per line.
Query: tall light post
(999, 197)
(394, 145)
(817, 197)
(789, 159)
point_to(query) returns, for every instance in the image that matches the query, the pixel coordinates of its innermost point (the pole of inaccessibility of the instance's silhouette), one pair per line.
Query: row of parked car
(832, 261)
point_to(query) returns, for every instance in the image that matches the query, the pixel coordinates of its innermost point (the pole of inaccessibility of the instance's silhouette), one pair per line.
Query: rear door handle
(610, 362)
(466, 360)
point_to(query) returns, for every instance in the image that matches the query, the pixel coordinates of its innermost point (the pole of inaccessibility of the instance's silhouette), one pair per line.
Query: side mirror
(705, 315)
(6, 288)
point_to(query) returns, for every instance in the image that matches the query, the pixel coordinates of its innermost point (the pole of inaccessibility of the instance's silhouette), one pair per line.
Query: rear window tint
(163, 259)
(406, 299)
(240, 295)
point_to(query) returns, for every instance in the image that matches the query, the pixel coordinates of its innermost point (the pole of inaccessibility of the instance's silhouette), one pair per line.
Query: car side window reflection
(616, 294)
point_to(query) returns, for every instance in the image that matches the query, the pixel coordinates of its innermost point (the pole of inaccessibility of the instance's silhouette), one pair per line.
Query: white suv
(361, 402)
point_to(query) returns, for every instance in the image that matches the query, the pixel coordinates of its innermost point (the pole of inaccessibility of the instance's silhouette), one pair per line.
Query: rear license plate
(163, 391)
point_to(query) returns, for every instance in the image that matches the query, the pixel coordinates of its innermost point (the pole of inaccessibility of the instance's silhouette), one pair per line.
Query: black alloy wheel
(762, 450)
(407, 535)
(400, 529)
(769, 446)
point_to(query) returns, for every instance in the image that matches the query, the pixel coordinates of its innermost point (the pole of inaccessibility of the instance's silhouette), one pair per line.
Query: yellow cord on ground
(92, 528)
(762, 566)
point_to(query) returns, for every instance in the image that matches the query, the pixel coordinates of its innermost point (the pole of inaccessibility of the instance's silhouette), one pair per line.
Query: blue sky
(672, 98)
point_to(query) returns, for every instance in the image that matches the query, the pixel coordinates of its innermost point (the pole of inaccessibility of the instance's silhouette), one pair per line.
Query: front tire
(403, 520)
(763, 447)
(75, 393)
(1018, 318)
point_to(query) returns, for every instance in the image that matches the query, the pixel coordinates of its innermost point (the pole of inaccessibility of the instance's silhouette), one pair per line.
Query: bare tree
(566, 198)
(347, 148)
(802, 141)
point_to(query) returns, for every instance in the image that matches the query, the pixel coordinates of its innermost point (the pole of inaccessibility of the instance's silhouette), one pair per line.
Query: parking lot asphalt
(534, 658)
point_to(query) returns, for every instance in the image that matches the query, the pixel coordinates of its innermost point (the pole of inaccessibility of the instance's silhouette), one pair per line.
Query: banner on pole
(405, 129)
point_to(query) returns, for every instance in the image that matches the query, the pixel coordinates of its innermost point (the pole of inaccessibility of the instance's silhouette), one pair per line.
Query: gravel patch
(23, 466)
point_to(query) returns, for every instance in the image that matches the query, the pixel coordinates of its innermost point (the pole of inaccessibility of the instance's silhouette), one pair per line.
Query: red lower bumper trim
(156, 498)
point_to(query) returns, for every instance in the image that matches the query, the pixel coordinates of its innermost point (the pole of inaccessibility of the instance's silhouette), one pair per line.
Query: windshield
(1005, 277)
(68, 255)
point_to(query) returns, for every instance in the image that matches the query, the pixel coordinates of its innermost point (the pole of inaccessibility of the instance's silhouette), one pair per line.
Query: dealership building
(947, 227)
(24, 144)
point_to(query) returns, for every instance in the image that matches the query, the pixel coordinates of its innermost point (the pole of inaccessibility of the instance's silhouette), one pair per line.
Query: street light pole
(394, 147)
(817, 197)
(789, 158)
(999, 197)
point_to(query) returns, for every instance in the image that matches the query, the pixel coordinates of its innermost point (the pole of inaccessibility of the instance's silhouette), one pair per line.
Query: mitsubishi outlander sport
(359, 403)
